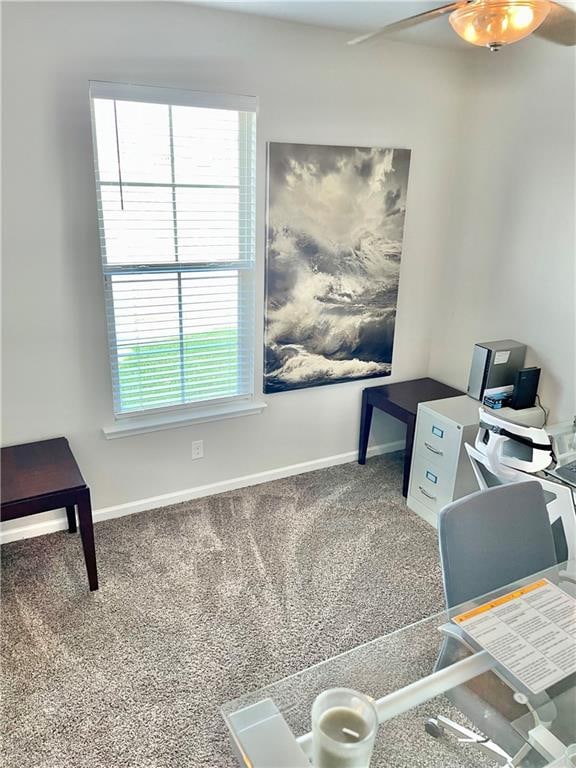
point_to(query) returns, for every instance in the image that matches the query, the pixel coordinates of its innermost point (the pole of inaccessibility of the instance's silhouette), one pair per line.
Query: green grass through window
(156, 374)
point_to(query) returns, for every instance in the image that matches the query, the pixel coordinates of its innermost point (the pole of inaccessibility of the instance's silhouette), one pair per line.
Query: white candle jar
(344, 725)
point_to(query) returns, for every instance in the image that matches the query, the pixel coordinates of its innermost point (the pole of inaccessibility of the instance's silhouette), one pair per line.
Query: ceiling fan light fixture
(494, 23)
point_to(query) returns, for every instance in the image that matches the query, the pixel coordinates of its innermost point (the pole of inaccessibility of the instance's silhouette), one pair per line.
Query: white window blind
(175, 182)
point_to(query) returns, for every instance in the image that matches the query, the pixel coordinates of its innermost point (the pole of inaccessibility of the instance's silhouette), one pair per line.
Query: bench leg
(365, 422)
(87, 534)
(71, 515)
(410, 429)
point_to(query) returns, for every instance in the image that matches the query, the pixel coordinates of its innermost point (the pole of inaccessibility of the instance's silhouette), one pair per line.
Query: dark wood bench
(38, 477)
(400, 400)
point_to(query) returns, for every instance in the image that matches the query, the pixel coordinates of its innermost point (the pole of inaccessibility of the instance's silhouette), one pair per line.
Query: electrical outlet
(197, 449)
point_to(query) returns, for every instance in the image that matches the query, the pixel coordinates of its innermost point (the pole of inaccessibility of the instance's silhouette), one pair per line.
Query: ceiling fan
(494, 23)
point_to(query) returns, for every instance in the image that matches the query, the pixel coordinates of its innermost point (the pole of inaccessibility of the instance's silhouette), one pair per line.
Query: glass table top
(488, 702)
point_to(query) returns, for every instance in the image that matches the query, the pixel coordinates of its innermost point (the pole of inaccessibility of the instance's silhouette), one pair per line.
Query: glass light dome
(494, 23)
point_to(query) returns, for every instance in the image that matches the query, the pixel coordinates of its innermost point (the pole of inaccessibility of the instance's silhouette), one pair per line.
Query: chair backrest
(492, 538)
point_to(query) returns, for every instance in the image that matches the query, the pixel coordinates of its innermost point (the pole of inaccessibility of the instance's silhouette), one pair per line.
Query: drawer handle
(424, 492)
(434, 450)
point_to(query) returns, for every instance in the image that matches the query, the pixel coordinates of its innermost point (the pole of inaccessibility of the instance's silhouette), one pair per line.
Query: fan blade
(410, 21)
(559, 26)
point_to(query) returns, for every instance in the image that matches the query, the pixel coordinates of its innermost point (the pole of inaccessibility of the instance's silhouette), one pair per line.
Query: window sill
(137, 425)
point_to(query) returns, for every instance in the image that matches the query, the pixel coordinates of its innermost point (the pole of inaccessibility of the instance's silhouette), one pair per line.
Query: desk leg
(87, 534)
(365, 422)
(410, 428)
(71, 515)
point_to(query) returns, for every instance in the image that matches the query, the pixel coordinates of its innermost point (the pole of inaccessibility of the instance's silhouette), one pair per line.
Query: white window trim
(101, 89)
(138, 425)
(170, 418)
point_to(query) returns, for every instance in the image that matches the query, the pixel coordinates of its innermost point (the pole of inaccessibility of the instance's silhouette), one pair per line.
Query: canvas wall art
(334, 242)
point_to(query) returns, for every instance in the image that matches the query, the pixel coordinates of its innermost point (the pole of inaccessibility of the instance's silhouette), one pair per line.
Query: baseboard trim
(154, 502)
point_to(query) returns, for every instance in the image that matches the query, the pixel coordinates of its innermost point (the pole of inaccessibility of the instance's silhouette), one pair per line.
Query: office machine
(525, 388)
(508, 446)
(494, 367)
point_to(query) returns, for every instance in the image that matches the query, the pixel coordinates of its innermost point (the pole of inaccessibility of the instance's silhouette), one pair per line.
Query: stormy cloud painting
(334, 242)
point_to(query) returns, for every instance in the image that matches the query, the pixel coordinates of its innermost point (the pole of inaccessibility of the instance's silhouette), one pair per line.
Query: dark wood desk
(38, 477)
(401, 401)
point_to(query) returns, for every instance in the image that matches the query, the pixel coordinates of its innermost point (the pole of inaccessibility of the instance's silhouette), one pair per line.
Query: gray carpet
(200, 603)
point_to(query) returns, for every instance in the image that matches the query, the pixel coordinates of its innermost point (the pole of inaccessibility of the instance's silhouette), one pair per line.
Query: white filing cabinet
(441, 470)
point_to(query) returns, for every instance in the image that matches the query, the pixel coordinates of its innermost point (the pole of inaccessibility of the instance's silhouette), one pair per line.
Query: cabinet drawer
(431, 484)
(437, 439)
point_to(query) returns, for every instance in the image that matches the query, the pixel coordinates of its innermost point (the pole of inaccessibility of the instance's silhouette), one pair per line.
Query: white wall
(509, 270)
(489, 242)
(312, 88)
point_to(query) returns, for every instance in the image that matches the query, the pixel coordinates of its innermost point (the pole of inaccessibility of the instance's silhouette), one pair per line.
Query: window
(175, 182)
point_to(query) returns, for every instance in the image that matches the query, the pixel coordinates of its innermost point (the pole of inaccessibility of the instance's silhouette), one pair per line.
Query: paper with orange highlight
(531, 632)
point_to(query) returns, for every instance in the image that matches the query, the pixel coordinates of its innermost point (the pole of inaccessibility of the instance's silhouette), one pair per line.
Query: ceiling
(352, 15)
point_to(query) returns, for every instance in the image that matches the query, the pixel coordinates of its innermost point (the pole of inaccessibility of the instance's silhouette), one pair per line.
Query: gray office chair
(492, 538)
(488, 540)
